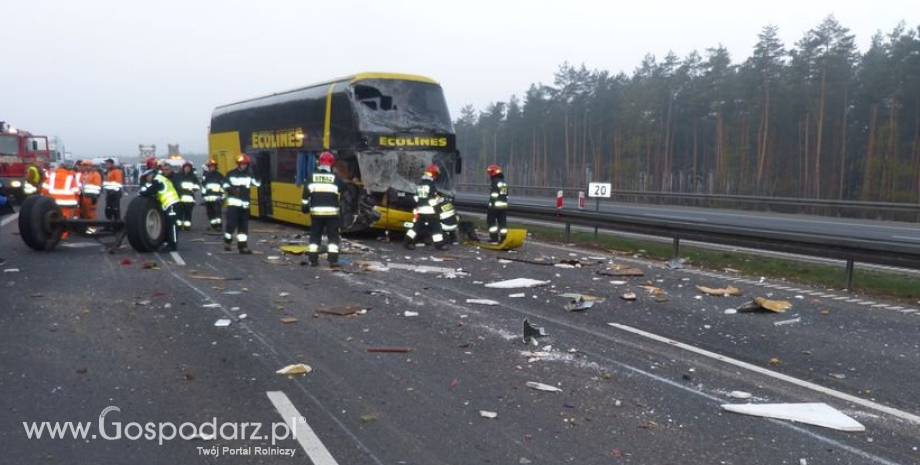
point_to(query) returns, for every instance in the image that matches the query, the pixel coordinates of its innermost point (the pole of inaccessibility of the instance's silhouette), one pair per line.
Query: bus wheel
(145, 224)
(41, 222)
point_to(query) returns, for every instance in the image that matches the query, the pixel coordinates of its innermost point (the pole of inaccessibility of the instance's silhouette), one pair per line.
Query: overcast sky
(106, 76)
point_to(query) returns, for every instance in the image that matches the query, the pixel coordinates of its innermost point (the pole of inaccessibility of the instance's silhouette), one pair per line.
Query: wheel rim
(153, 223)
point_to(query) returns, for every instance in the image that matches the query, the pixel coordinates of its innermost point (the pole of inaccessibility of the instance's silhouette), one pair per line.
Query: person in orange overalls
(61, 185)
(91, 189)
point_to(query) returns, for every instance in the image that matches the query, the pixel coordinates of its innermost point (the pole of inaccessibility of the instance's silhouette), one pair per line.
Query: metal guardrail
(816, 245)
(907, 211)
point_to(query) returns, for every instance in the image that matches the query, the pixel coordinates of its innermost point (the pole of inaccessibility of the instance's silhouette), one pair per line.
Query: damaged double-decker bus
(383, 128)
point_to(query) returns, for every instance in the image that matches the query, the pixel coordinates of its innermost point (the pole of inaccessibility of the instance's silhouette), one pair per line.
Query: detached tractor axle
(42, 225)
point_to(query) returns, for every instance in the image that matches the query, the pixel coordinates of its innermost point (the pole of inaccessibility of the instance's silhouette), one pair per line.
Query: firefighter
(34, 178)
(61, 185)
(236, 187)
(425, 219)
(186, 184)
(89, 193)
(154, 183)
(113, 186)
(496, 218)
(448, 216)
(213, 194)
(321, 197)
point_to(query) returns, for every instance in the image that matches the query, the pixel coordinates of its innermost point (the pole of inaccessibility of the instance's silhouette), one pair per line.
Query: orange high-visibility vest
(62, 186)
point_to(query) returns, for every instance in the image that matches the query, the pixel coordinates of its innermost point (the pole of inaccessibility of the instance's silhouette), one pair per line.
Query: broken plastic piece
(288, 320)
(517, 283)
(628, 296)
(787, 322)
(542, 387)
(579, 305)
(295, 369)
(618, 271)
(740, 395)
(222, 322)
(488, 414)
(818, 414)
(410, 313)
(720, 291)
(294, 249)
(517, 296)
(777, 306)
(531, 332)
(482, 302)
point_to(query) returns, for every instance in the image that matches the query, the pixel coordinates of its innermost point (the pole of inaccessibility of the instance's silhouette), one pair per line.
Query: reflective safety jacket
(61, 185)
(236, 186)
(163, 189)
(92, 184)
(34, 178)
(426, 196)
(498, 192)
(114, 181)
(186, 185)
(447, 214)
(212, 189)
(322, 193)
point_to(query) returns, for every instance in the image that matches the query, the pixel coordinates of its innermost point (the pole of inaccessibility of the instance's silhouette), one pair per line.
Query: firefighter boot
(409, 243)
(244, 248)
(314, 258)
(226, 246)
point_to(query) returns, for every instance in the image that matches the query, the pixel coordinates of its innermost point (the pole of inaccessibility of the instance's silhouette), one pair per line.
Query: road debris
(812, 413)
(532, 332)
(517, 283)
(630, 296)
(295, 369)
(740, 395)
(618, 283)
(126, 262)
(517, 296)
(730, 311)
(720, 291)
(488, 414)
(369, 418)
(288, 320)
(762, 303)
(787, 322)
(774, 361)
(343, 310)
(529, 262)
(620, 271)
(579, 304)
(211, 305)
(145, 266)
(215, 278)
(482, 302)
(222, 322)
(542, 387)
(410, 313)
(294, 249)
(388, 350)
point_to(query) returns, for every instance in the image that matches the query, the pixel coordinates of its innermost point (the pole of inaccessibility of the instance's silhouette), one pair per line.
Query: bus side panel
(224, 147)
(287, 199)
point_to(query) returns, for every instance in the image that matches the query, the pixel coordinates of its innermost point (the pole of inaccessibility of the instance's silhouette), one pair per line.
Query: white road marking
(9, 219)
(305, 435)
(177, 258)
(907, 238)
(780, 376)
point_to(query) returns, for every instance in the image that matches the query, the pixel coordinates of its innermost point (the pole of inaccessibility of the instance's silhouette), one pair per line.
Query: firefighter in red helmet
(425, 220)
(496, 217)
(236, 189)
(321, 198)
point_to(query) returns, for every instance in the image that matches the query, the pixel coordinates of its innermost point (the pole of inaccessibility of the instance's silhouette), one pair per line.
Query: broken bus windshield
(387, 106)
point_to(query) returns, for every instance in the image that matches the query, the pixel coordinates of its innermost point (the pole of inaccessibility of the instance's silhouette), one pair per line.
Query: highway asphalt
(884, 231)
(83, 330)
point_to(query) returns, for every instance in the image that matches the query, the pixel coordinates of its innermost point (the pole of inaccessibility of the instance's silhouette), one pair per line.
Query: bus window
(393, 106)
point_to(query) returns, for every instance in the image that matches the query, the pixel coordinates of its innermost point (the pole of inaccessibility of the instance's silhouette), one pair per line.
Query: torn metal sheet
(818, 414)
(517, 283)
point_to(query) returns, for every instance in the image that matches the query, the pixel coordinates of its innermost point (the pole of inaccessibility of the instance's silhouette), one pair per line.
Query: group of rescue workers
(76, 191)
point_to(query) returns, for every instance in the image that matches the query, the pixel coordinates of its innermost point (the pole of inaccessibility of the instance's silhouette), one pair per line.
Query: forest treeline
(817, 119)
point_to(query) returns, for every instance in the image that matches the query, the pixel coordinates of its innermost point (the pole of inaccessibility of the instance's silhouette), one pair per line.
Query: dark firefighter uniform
(187, 184)
(154, 183)
(448, 215)
(113, 186)
(321, 199)
(496, 218)
(213, 194)
(426, 221)
(236, 188)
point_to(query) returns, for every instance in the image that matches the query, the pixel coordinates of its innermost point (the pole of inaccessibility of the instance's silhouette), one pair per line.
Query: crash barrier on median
(852, 250)
(824, 207)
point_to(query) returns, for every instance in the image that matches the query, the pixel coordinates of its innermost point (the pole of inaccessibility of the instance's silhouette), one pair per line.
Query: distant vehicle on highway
(384, 129)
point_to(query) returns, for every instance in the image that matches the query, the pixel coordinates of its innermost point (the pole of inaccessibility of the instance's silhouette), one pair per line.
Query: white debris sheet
(482, 302)
(812, 413)
(517, 283)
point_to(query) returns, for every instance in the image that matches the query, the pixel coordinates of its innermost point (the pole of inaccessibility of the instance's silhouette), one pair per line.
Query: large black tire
(40, 222)
(145, 224)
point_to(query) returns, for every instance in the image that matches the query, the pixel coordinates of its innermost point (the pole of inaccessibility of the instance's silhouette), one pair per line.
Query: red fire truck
(18, 150)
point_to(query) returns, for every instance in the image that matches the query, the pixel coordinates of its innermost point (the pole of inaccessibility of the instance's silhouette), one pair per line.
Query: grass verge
(875, 283)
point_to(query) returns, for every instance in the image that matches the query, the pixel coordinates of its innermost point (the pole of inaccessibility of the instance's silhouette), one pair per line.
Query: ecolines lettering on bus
(386, 141)
(285, 138)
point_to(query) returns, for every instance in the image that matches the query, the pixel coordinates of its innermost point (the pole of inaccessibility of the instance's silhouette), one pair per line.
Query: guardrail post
(849, 275)
(674, 264)
(568, 232)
